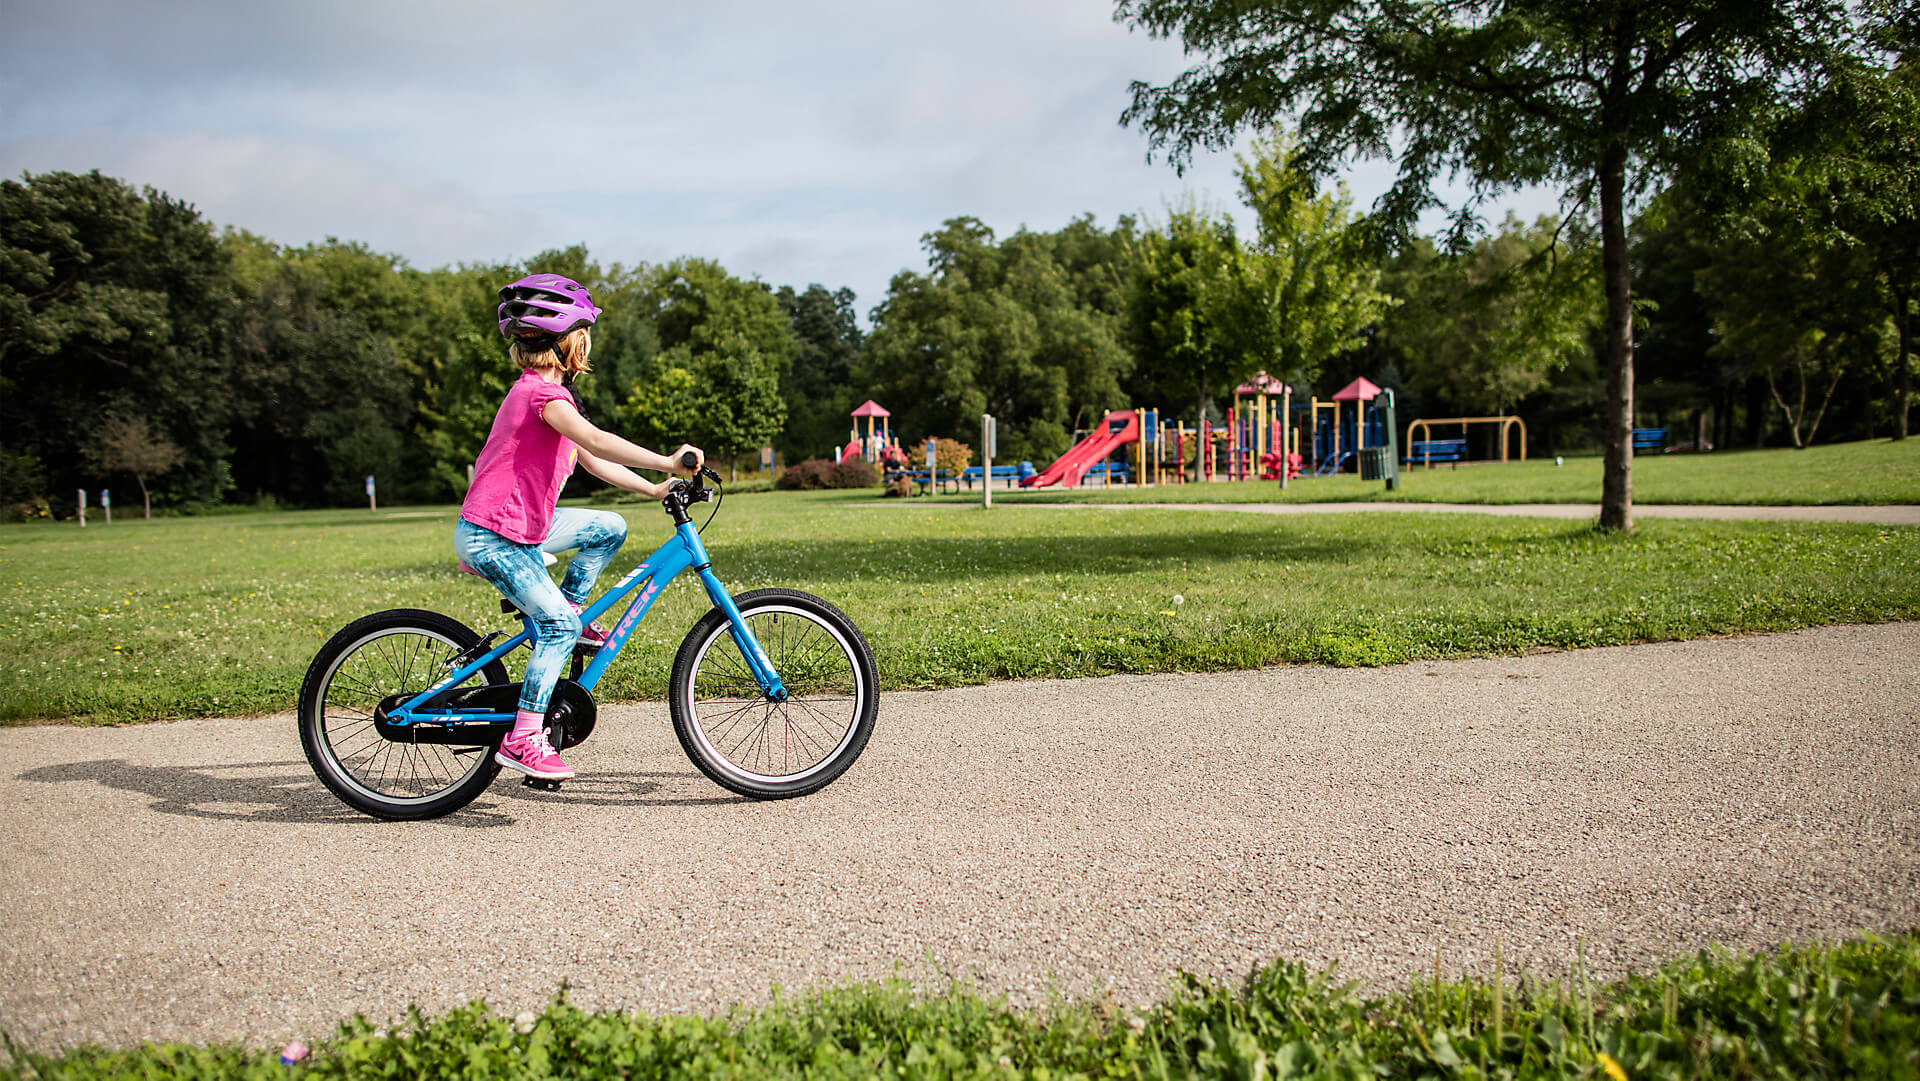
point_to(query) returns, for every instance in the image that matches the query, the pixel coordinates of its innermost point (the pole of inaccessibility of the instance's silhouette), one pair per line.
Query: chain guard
(571, 713)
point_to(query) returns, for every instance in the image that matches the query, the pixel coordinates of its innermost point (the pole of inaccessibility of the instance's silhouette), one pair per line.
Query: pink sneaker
(533, 756)
(592, 635)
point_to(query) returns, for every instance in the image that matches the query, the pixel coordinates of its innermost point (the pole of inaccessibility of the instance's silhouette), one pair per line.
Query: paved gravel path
(191, 881)
(1894, 514)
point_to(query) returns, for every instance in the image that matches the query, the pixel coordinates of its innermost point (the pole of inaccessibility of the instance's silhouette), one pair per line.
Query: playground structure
(1428, 450)
(1115, 430)
(1266, 436)
(868, 449)
(1266, 431)
(1348, 429)
(1261, 440)
(1257, 441)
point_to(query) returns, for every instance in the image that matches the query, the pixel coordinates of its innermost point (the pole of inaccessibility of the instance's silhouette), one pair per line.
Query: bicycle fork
(743, 636)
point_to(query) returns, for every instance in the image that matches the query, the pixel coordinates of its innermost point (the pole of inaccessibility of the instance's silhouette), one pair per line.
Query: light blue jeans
(518, 572)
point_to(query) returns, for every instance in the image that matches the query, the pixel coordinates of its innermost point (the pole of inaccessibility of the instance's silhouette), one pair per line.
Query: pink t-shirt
(517, 480)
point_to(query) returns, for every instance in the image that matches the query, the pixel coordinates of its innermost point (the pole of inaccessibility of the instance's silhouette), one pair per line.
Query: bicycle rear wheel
(374, 659)
(749, 744)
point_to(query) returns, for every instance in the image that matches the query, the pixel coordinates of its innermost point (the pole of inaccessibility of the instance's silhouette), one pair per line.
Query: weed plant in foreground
(220, 617)
(1849, 1010)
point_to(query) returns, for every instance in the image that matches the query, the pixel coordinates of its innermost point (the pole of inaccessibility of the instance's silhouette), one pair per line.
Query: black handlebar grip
(689, 460)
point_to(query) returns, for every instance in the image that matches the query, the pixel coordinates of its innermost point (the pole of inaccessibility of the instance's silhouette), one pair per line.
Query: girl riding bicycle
(510, 514)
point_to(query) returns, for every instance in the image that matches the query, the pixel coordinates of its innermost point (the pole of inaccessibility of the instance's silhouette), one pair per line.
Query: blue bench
(1105, 472)
(1654, 439)
(925, 480)
(1425, 451)
(1009, 474)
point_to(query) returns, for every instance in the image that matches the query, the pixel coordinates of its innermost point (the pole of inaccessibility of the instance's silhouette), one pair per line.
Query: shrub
(952, 456)
(854, 474)
(804, 477)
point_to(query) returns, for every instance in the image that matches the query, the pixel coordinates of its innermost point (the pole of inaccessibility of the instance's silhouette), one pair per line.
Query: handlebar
(688, 461)
(682, 494)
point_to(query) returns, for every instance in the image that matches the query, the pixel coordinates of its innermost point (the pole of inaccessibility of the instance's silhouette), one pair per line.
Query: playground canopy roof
(1357, 391)
(868, 408)
(1261, 383)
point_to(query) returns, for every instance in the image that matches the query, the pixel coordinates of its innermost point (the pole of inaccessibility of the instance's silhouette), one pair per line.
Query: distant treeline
(143, 346)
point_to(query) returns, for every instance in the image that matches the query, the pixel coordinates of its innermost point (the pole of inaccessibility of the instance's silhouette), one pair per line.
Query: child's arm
(562, 417)
(621, 477)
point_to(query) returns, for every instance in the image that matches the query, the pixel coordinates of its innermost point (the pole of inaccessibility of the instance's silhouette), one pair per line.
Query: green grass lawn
(1847, 1010)
(219, 616)
(1877, 472)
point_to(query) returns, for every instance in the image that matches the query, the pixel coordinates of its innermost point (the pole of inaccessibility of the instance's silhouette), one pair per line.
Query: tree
(1313, 284)
(819, 390)
(1851, 177)
(111, 300)
(1802, 312)
(1029, 330)
(329, 399)
(1483, 329)
(126, 444)
(1602, 97)
(1187, 294)
(726, 343)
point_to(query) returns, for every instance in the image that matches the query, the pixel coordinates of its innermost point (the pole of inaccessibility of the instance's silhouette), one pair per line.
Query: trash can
(1373, 463)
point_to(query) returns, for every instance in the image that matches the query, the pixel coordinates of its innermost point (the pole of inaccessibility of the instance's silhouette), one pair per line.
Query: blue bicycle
(773, 692)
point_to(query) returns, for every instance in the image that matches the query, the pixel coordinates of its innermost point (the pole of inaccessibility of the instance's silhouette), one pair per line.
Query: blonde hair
(541, 352)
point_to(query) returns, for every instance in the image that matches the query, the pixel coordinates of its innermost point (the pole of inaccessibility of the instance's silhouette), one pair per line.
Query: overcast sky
(798, 143)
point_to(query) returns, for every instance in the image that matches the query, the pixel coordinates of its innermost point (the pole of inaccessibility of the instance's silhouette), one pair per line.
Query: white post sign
(989, 428)
(83, 507)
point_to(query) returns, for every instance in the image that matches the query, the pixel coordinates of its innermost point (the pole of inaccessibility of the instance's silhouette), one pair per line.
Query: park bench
(1105, 473)
(1654, 439)
(1008, 475)
(1428, 451)
(923, 480)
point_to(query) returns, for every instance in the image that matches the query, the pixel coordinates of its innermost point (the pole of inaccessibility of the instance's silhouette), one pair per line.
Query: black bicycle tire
(680, 691)
(311, 719)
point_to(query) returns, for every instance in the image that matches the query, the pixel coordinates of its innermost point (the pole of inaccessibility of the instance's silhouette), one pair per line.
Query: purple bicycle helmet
(545, 304)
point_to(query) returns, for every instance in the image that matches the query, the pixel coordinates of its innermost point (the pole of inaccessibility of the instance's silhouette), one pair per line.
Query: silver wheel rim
(768, 743)
(402, 774)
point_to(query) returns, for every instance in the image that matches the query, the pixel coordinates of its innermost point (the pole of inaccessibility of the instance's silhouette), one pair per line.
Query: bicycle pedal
(542, 784)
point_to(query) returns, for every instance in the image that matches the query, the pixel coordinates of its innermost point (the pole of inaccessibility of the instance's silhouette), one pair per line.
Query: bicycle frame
(665, 564)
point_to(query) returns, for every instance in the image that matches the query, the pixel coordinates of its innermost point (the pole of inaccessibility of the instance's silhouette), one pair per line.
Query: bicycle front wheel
(749, 744)
(380, 658)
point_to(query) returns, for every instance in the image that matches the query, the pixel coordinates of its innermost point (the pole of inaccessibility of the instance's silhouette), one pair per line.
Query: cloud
(297, 192)
(798, 143)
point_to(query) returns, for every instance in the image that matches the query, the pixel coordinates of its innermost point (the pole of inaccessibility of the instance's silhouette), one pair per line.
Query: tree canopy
(1603, 98)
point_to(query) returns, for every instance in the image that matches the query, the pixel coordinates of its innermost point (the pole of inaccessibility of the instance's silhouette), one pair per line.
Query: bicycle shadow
(241, 792)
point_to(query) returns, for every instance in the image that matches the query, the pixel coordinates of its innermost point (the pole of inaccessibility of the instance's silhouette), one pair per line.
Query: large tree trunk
(1616, 484)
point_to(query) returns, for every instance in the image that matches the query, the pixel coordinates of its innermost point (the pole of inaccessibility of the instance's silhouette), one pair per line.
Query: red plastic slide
(1122, 426)
(851, 453)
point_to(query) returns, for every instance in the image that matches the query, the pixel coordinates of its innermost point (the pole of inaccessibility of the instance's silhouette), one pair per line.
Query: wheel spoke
(392, 661)
(743, 733)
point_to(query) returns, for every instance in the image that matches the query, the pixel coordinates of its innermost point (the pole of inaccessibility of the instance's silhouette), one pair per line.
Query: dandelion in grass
(1612, 1068)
